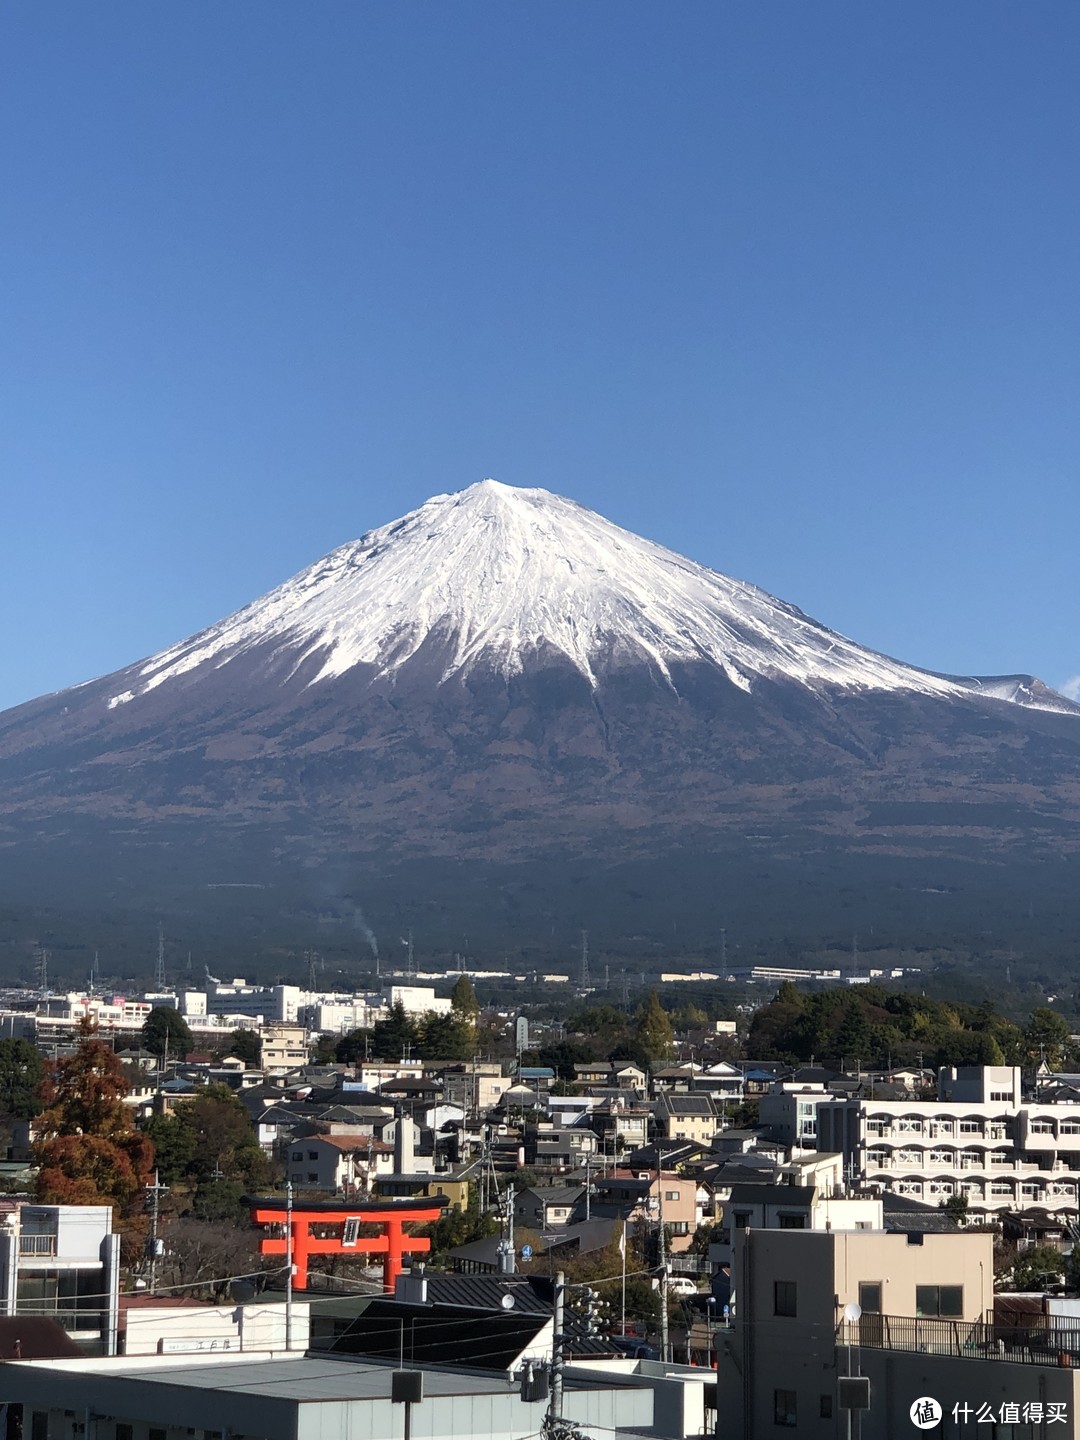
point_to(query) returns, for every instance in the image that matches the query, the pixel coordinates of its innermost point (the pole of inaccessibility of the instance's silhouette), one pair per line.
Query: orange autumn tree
(88, 1148)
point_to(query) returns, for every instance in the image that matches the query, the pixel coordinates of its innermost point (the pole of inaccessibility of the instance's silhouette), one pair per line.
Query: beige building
(686, 1117)
(921, 1330)
(284, 1048)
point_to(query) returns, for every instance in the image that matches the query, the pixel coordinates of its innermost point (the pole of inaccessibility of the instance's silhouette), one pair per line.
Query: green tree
(653, 1032)
(393, 1036)
(324, 1050)
(956, 1207)
(445, 1037)
(22, 1070)
(225, 1144)
(854, 1043)
(352, 1047)
(165, 1029)
(1038, 1267)
(174, 1147)
(246, 1046)
(1046, 1037)
(463, 998)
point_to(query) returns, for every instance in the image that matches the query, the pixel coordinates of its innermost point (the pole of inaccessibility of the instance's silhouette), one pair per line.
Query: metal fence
(1037, 1343)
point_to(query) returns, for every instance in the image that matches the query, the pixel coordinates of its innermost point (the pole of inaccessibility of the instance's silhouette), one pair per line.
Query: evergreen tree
(246, 1046)
(393, 1037)
(165, 1029)
(653, 1033)
(22, 1070)
(1046, 1037)
(463, 999)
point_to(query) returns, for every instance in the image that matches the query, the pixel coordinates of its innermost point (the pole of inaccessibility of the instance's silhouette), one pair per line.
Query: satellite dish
(508, 1302)
(852, 1311)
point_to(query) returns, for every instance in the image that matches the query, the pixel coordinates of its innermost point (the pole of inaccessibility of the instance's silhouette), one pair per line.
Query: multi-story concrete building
(790, 1207)
(979, 1140)
(63, 1262)
(789, 1112)
(901, 1318)
(284, 1048)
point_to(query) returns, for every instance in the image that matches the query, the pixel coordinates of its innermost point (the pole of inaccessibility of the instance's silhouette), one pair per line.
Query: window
(312, 1179)
(970, 1127)
(39, 1426)
(312, 1154)
(792, 1222)
(157, 1434)
(785, 1299)
(298, 1154)
(785, 1410)
(125, 1432)
(870, 1297)
(825, 1408)
(672, 1195)
(946, 1301)
(742, 1219)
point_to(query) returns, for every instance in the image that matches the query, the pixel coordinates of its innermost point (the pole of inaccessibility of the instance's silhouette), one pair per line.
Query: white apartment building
(980, 1140)
(789, 1112)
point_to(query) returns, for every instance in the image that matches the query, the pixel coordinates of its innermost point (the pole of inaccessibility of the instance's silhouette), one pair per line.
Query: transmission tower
(313, 965)
(584, 959)
(42, 968)
(159, 968)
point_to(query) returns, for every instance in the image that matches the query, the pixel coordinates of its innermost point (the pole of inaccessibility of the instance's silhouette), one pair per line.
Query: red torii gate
(391, 1216)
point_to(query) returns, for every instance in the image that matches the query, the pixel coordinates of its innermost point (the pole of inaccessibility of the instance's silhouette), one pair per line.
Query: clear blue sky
(792, 288)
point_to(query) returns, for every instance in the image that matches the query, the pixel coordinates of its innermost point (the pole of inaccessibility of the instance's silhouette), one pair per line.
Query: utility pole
(665, 1349)
(555, 1400)
(159, 968)
(156, 1191)
(288, 1266)
(584, 959)
(588, 1185)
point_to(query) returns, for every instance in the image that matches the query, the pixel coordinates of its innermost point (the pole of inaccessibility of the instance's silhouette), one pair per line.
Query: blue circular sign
(526, 1252)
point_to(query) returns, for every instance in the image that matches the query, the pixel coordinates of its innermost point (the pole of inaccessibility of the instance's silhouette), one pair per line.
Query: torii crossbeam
(341, 1224)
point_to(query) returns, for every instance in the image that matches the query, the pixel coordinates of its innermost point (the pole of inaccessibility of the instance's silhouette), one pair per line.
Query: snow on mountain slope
(494, 573)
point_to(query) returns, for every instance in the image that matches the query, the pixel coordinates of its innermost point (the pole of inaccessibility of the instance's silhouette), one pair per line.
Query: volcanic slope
(505, 679)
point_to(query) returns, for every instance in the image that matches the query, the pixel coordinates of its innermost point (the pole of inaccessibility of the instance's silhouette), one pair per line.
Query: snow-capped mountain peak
(513, 577)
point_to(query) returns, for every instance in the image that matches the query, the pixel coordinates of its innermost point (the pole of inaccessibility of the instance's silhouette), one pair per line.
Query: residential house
(686, 1117)
(543, 1207)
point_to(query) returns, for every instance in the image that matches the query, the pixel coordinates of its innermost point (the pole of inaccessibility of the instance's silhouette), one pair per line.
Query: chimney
(404, 1158)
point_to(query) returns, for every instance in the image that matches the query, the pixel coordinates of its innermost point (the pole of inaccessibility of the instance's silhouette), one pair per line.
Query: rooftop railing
(1027, 1344)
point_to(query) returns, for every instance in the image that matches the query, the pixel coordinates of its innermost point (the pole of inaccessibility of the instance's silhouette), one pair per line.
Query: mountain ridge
(597, 704)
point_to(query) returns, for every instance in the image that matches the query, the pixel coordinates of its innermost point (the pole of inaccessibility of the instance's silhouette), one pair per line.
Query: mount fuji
(503, 706)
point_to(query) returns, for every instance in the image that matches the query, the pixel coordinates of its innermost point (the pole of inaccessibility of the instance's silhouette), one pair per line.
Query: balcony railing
(37, 1244)
(1029, 1344)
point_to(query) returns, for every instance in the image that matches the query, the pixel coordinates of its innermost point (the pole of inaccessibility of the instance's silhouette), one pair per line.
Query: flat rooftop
(284, 1377)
